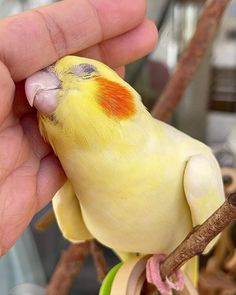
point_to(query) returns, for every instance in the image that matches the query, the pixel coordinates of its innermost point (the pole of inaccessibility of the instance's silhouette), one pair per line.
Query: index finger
(37, 38)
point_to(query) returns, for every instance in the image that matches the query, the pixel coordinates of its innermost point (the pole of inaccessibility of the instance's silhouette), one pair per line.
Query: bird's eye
(83, 70)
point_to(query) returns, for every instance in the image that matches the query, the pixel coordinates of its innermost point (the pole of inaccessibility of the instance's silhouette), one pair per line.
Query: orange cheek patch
(115, 99)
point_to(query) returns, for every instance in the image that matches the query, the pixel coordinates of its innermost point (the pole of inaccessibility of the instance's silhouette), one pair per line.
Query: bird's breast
(130, 205)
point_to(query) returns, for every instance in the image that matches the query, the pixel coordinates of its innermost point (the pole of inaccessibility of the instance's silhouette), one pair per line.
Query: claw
(154, 276)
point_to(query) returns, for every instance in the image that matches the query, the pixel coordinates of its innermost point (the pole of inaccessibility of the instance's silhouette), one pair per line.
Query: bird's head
(81, 97)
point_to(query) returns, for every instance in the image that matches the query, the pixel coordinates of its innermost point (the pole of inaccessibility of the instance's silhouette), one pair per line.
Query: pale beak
(41, 91)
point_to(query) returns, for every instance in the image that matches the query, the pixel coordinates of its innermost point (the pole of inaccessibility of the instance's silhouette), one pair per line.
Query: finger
(125, 48)
(34, 184)
(16, 212)
(37, 38)
(31, 131)
(50, 178)
(21, 105)
(121, 71)
(7, 93)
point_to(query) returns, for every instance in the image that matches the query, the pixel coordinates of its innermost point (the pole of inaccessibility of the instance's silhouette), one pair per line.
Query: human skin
(115, 32)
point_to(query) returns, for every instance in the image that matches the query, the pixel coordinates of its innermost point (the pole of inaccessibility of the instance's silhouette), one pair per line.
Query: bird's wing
(68, 214)
(203, 188)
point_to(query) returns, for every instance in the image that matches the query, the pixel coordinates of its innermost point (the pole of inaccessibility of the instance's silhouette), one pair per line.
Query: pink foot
(154, 277)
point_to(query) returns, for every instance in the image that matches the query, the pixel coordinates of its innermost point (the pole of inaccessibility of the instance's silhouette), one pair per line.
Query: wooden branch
(70, 264)
(200, 237)
(190, 58)
(67, 269)
(99, 261)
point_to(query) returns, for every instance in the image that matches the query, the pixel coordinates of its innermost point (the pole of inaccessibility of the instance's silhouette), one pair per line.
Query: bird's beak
(41, 90)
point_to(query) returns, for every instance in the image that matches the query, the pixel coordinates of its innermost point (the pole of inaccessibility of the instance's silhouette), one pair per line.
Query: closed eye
(84, 70)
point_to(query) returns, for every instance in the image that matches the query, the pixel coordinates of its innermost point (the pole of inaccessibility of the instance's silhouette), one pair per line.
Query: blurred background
(206, 112)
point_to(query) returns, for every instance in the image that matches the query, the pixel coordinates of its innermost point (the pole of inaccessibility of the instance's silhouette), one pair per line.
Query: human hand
(115, 32)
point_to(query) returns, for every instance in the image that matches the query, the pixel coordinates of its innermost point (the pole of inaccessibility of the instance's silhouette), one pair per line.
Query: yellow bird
(135, 184)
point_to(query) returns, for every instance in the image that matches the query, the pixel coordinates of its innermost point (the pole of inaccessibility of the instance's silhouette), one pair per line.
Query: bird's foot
(153, 275)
